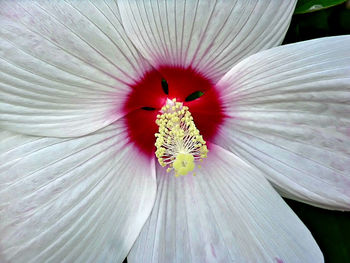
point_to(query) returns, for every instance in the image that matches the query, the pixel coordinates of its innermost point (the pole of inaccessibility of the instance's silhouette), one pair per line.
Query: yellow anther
(179, 143)
(184, 163)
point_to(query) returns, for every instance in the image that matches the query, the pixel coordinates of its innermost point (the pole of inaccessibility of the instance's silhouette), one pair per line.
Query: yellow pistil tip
(179, 143)
(184, 163)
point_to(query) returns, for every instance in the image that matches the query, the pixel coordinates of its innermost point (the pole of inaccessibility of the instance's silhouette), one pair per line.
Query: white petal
(228, 212)
(290, 109)
(72, 200)
(211, 36)
(64, 66)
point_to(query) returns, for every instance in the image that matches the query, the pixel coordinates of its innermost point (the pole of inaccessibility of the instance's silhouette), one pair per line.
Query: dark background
(314, 19)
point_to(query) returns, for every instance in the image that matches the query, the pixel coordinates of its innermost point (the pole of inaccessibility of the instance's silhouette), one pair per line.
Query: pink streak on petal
(213, 250)
(278, 260)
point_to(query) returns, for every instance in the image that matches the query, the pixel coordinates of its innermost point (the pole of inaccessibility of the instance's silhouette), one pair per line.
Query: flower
(82, 85)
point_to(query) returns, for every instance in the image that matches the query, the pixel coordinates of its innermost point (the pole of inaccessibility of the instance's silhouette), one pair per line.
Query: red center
(148, 97)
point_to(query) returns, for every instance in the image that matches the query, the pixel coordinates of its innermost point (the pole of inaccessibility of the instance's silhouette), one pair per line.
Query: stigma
(179, 144)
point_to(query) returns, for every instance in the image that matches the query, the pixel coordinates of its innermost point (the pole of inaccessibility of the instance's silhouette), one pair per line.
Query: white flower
(82, 83)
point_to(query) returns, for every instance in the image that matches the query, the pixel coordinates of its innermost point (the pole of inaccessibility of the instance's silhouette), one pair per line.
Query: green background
(314, 19)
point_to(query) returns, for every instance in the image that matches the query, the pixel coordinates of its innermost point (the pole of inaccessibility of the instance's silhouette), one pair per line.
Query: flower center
(198, 96)
(179, 143)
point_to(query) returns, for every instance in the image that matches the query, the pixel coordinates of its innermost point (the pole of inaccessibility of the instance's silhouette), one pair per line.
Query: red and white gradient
(207, 111)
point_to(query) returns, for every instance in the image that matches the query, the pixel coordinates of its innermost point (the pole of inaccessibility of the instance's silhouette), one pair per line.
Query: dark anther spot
(193, 96)
(165, 86)
(148, 108)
